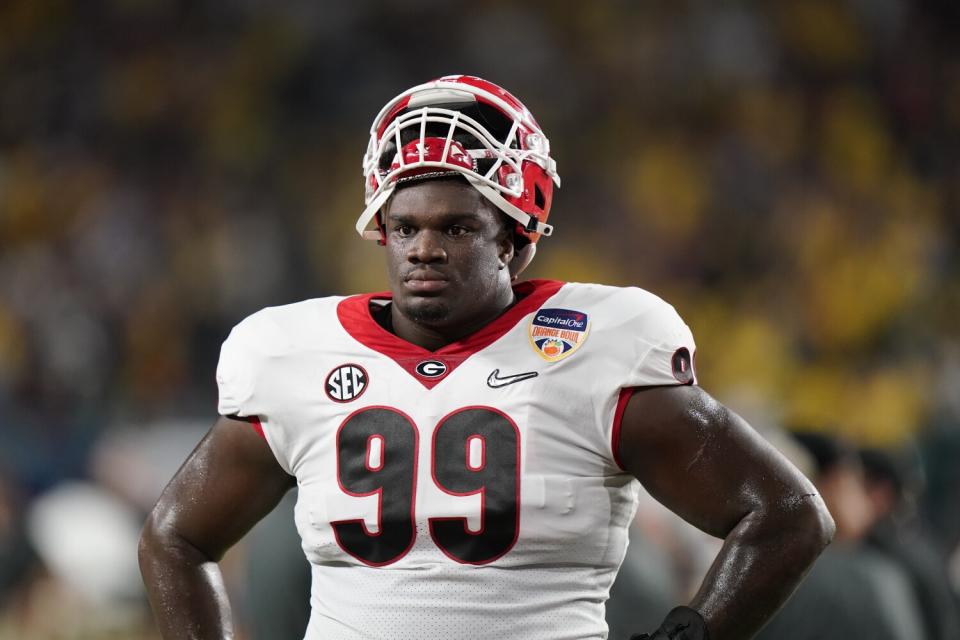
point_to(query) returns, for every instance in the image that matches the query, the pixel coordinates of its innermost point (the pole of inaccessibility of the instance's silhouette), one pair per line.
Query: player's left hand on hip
(682, 623)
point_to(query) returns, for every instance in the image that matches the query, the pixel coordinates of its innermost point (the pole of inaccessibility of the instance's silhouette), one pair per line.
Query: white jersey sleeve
(663, 343)
(235, 375)
(243, 380)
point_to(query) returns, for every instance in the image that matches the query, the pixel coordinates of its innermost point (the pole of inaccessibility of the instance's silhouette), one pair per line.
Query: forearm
(185, 588)
(762, 561)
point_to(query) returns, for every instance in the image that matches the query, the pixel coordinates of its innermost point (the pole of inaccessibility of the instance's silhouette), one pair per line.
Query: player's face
(447, 253)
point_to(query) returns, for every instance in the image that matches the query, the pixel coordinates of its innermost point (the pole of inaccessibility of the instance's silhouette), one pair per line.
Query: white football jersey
(472, 492)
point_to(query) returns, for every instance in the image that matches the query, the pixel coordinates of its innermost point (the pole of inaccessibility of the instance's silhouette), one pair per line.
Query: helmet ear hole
(538, 198)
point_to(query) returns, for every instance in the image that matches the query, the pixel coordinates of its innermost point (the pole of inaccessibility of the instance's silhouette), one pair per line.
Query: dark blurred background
(786, 174)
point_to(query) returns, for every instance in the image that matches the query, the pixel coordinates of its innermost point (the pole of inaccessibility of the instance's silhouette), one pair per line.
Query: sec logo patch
(346, 382)
(557, 333)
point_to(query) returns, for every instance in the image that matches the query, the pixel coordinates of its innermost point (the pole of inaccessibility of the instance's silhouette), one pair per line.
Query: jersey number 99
(475, 450)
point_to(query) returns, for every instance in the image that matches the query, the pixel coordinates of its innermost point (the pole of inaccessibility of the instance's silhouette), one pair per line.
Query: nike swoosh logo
(495, 381)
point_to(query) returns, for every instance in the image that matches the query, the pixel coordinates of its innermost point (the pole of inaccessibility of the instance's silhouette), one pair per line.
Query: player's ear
(521, 259)
(505, 247)
(381, 219)
(506, 250)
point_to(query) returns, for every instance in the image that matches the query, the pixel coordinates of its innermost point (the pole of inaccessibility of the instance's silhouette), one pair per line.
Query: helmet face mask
(468, 126)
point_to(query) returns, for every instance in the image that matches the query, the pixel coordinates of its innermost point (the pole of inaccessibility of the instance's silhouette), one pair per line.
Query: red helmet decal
(432, 150)
(388, 118)
(496, 90)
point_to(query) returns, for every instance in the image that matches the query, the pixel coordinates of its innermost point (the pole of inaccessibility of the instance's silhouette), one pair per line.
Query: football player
(467, 446)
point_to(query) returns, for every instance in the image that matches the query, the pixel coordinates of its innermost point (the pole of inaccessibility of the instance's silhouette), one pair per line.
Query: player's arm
(708, 465)
(229, 482)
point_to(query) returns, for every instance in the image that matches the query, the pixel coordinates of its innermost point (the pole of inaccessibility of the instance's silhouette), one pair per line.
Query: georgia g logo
(346, 382)
(431, 368)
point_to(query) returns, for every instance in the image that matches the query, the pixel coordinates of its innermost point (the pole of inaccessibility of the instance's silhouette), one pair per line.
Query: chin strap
(372, 208)
(529, 222)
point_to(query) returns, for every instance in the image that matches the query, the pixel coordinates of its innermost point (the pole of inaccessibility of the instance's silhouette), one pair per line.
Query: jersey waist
(467, 602)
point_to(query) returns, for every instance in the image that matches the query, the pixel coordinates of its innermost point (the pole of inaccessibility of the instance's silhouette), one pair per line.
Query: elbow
(815, 525)
(798, 530)
(822, 522)
(162, 542)
(827, 526)
(150, 543)
(159, 540)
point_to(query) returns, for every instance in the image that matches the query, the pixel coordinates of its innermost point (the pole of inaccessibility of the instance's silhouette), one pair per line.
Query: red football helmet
(465, 125)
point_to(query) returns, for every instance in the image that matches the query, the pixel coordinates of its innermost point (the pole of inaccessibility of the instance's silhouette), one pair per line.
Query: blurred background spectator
(893, 480)
(853, 590)
(786, 174)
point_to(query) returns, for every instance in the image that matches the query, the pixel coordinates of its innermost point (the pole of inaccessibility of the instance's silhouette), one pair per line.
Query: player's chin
(426, 310)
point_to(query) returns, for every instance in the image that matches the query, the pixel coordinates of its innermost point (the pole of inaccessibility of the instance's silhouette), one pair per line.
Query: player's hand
(682, 623)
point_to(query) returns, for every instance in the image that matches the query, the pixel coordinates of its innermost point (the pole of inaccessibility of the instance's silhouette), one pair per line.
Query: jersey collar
(354, 316)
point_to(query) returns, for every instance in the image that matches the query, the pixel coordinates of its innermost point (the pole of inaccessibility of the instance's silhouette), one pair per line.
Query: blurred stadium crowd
(786, 174)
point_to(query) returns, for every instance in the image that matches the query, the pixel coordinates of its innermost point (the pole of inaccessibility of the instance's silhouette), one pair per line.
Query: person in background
(894, 483)
(852, 591)
(17, 557)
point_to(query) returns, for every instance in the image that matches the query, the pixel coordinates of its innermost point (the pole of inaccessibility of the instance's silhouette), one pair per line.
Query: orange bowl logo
(557, 333)
(552, 348)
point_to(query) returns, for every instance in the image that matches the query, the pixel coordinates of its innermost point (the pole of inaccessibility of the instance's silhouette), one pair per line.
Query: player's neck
(435, 336)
